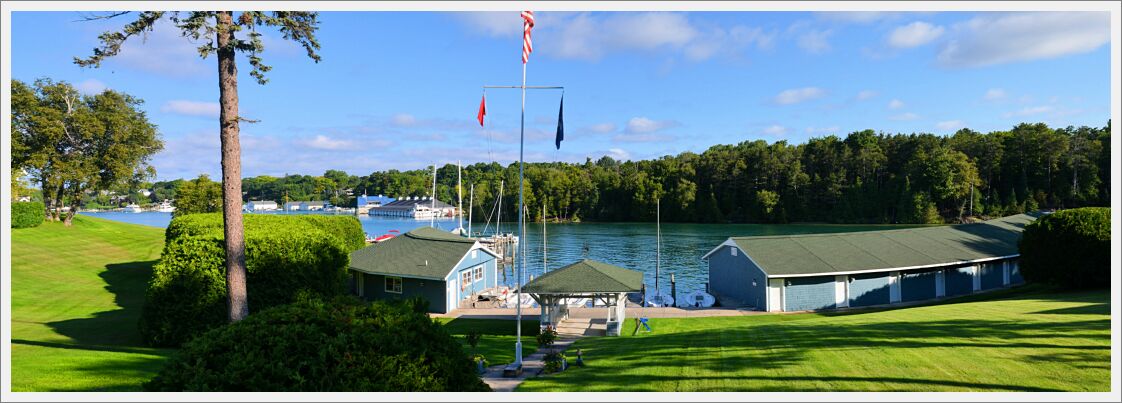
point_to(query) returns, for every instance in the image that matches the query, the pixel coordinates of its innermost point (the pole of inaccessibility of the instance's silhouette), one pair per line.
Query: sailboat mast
(658, 246)
(545, 261)
(499, 215)
(471, 206)
(432, 207)
(460, 196)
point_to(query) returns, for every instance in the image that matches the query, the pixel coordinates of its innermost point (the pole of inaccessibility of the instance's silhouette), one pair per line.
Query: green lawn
(76, 297)
(1029, 339)
(497, 344)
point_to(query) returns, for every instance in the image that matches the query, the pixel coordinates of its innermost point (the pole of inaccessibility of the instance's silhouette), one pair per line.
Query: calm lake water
(630, 245)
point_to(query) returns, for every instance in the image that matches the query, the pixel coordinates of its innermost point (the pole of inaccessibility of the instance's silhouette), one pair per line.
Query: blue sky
(401, 90)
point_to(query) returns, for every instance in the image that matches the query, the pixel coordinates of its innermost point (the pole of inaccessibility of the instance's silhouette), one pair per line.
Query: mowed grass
(1028, 339)
(497, 343)
(76, 297)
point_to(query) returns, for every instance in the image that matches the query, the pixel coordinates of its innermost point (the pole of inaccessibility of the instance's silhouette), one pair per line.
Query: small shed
(436, 265)
(598, 281)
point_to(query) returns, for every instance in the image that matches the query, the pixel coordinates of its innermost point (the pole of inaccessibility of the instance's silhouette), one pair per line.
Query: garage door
(809, 293)
(917, 285)
(992, 276)
(868, 289)
(960, 281)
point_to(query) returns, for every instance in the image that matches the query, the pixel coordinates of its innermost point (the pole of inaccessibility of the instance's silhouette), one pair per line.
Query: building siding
(918, 285)
(809, 293)
(469, 263)
(431, 290)
(731, 277)
(993, 275)
(959, 281)
(868, 289)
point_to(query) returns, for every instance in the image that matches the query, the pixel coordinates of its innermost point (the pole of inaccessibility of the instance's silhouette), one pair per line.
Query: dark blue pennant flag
(560, 123)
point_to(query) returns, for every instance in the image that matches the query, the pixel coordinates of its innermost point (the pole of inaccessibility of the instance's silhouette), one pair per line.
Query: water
(630, 245)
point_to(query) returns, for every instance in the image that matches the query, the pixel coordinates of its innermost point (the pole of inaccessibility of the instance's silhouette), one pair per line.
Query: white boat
(132, 208)
(166, 208)
(660, 301)
(697, 299)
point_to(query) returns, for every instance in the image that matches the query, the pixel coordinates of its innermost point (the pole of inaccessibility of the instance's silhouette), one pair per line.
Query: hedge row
(285, 255)
(1069, 248)
(28, 214)
(339, 346)
(344, 227)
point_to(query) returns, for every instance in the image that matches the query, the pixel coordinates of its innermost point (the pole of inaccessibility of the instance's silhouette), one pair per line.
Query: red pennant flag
(482, 110)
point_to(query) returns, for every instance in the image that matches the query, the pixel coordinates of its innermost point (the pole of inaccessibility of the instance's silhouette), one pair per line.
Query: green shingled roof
(794, 255)
(586, 276)
(425, 252)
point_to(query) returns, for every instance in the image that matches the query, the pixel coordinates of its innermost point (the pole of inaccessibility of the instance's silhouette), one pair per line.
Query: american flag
(527, 45)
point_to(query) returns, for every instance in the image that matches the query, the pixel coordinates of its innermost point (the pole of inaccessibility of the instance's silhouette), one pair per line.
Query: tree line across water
(865, 177)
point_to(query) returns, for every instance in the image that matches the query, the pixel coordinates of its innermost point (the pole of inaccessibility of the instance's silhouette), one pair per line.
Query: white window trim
(477, 274)
(385, 284)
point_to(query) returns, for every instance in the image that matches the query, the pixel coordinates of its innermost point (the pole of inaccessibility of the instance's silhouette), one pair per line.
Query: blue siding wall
(809, 293)
(1015, 272)
(730, 278)
(481, 259)
(431, 290)
(959, 281)
(917, 285)
(992, 276)
(868, 289)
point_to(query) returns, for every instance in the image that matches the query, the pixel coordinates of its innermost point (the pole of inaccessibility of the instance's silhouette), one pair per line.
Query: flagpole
(521, 230)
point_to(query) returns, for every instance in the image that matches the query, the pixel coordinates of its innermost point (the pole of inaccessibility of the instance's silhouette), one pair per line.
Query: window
(475, 254)
(478, 273)
(393, 284)
(733, 251)
(465, 279)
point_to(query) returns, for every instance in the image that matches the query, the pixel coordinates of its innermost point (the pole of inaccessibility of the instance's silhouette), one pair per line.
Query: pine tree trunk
(231, 169)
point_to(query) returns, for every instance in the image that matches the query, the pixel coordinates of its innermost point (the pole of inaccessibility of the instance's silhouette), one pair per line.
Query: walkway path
(569, 331)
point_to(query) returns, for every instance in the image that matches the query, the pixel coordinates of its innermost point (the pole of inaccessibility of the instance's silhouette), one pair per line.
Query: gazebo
(591, 279)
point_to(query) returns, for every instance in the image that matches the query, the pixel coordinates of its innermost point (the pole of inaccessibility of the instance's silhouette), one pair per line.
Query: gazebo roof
(586, 276)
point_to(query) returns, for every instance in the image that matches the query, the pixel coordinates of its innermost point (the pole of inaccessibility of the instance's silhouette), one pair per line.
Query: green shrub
(284, 255)
(1069, 248)
(341, 345)
(344, 227)
(28, 214)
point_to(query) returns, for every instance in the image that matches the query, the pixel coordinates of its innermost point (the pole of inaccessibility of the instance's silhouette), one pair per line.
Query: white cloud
(1029, 111)
(91, 87)
(619, 154)
(950, 125)
(642, 138)
(1014, 37)
(856, 17)
(639, 125)
(589, 36)
(403, 119)
(866, 95)
(914, 34)
(493, 23)
(796, 95)
(822, 130)
(904, 116)
(322, 142)
(163, 51)
(191, 108)
(775, 130)
(602, 128)
(895, 104)
(994, 94)
(815, 41)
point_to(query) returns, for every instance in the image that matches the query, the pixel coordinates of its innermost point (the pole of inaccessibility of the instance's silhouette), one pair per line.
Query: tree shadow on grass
(745, 354)
(118, 327)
